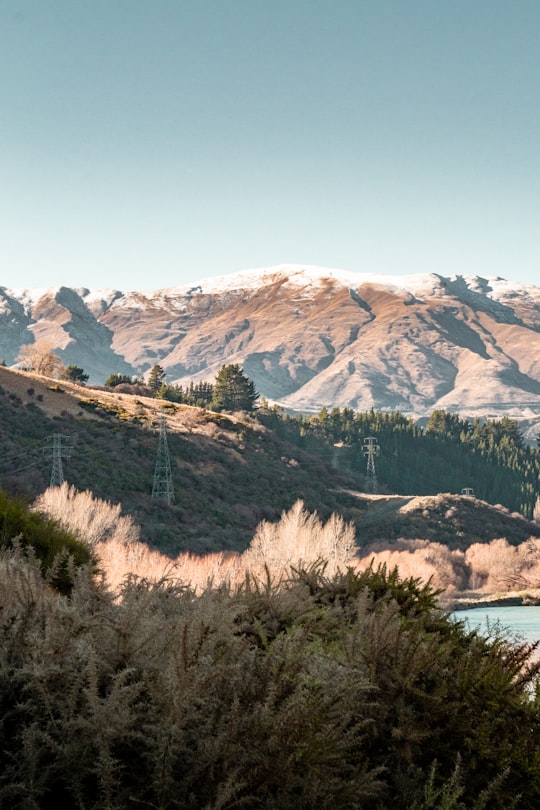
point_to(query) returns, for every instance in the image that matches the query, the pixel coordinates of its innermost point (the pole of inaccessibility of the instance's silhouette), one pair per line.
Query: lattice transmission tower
(371, 449)
(163, 483)
(58, 452)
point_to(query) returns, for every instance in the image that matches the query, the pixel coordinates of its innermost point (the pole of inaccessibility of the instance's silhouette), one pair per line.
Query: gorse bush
(346, 691)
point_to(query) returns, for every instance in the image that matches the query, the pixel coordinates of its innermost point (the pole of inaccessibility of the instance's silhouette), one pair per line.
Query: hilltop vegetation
(314, 681)
(294, 675)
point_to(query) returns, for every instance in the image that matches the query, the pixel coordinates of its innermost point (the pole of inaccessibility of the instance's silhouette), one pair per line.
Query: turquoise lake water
(524, 621)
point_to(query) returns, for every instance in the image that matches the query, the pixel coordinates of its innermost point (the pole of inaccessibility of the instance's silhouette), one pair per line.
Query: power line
(36, 463)
(162, 486)
(13, 455)
(371, 449)
(15, 458)
(58, 452)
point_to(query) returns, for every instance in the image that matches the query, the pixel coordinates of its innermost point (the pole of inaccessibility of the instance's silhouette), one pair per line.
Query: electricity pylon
(57, 473)
(371, 449)
(163, 484)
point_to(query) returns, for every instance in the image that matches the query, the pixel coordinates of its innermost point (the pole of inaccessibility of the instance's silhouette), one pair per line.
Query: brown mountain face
(308, 338)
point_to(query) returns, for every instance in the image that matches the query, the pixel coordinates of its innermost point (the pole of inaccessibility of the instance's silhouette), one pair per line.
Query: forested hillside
(448, 455)
(230, 471)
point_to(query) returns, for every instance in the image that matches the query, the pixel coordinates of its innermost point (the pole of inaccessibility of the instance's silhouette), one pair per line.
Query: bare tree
(40, 358)
(300, 538)
(90, 518)
(498, 565)
(192, 418)
(445, 568)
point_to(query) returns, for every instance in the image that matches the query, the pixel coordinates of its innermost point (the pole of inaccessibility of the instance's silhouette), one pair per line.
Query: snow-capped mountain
(307, 336)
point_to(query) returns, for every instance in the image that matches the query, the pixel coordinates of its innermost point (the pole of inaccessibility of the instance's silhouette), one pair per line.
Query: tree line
(231, 391)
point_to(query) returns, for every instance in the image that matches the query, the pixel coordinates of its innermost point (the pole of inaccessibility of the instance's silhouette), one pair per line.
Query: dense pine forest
(449, 454)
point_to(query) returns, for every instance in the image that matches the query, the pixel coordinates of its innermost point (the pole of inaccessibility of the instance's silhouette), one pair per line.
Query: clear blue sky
(150, 143)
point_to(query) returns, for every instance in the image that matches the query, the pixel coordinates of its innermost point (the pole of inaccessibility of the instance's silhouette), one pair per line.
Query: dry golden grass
(299, 539)
(60, 397)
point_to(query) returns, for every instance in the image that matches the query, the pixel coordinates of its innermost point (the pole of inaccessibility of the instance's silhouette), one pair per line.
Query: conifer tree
(74, 373)
(233, 391)
(118, 379)
(156, 378)
(536, 510)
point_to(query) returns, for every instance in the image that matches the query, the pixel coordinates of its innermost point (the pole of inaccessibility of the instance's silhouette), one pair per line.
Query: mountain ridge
(309, 337)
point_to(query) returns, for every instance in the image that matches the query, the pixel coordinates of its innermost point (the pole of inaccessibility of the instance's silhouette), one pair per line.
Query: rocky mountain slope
(308, 337)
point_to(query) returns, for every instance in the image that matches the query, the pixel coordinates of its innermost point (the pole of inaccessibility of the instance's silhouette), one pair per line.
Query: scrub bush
(346, 691)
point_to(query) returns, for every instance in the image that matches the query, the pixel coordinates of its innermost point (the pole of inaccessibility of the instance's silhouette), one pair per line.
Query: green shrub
(52, 546)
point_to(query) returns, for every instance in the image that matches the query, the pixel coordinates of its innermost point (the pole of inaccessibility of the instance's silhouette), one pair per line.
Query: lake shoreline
(467, 601)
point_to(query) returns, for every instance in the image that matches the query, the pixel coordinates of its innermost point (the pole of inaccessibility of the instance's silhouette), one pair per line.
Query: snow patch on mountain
(288, 275)
(297, 276)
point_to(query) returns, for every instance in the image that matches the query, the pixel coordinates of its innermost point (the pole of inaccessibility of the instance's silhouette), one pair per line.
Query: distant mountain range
(308, 337)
